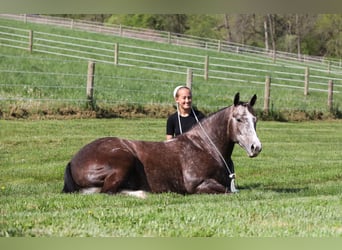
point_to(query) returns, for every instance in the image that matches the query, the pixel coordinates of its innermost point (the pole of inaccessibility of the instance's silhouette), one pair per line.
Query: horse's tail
(69, 184)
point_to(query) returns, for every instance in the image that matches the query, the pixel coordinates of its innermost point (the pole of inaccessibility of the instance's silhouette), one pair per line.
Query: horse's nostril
(255, 148)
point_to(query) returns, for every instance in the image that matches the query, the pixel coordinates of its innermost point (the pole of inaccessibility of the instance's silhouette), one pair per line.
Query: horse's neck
(215, 128)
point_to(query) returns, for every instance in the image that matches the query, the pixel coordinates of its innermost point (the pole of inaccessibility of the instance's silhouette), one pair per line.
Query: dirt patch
(296, 115)
(17, 112)
(138, 111)
(130, 111)
(120, 111)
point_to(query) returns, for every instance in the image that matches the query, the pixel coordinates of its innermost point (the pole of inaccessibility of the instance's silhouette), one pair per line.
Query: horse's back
(162, 163)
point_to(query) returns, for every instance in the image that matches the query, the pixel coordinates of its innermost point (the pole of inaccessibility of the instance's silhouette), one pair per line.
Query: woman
(185, 117)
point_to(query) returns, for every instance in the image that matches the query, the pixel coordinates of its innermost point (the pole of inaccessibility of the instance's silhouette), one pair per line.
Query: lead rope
(231, 175)
(179, 122)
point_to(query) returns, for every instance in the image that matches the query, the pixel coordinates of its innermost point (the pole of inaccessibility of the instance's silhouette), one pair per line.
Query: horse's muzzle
(255, 149)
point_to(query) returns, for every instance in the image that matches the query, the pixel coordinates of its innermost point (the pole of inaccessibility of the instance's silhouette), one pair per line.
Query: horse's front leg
(210, 186)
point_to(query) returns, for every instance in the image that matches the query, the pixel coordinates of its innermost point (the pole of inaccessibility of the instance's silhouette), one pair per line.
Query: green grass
(293, 188)
(55, 82)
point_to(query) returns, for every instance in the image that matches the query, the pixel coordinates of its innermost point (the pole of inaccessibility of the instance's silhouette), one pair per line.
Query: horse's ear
(236, 99)
(253, 100)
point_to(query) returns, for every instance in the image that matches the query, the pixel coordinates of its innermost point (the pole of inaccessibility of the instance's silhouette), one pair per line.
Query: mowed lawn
(293, 188)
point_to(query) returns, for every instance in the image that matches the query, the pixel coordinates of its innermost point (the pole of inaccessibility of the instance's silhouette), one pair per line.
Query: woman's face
(184, 98)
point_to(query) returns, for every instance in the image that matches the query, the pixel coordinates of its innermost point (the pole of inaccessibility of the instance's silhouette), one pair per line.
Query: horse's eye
(238, 119)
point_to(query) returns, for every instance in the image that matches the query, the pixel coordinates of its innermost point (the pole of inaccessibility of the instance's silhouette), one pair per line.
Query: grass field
(44, 83)
(293, 188)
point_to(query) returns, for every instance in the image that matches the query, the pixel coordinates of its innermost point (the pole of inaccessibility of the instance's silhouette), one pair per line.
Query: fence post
(189, 78)
(116, 53)
(206, 67)
(30, 47)
(90, 83)
(219, 46)
(169, 37)
(306, 81)
(330, 95)
(120, 30)
(267, 95)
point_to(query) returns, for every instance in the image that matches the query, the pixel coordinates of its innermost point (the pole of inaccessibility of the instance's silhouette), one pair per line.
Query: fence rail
(170, 38)
(60, 88)
(214, 73)
(213, 67)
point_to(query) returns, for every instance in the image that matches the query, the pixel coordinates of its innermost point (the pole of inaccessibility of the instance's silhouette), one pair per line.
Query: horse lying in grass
(195, 162)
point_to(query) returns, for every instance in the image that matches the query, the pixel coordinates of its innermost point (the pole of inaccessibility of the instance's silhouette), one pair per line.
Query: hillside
(139, 80)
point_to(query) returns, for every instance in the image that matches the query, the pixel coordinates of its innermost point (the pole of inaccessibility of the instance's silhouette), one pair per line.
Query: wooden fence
(209, 68)
(215, 66)
(91, 86)
(189, 81)
(169, 38)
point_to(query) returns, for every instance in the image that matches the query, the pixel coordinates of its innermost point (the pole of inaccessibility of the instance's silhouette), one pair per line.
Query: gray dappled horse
(198, 161)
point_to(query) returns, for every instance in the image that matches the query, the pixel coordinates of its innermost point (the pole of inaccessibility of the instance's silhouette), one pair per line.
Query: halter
(231, 174)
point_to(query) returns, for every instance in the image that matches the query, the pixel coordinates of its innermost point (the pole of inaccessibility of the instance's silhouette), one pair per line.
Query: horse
(198, 161)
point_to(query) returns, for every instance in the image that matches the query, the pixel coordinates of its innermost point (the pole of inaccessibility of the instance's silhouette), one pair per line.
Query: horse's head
(242, 126)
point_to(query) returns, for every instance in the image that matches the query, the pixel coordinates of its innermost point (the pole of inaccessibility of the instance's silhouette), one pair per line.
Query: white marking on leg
(91, 190)
(139, 193)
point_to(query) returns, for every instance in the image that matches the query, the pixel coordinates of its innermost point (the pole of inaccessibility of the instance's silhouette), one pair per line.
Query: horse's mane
(214, 114)
(224, 108)
(208, 118)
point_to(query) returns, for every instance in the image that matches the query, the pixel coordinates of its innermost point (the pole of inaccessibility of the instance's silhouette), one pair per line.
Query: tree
(203, 26)
(135, 20)
(168, 22)
(247, 29)
(224, 28)
(266, 34)
(271, 25)
(244, 28)
(298, 28)
(101, 18)
(227, 27)
(329, 29)
(176, 23)
(296, 33)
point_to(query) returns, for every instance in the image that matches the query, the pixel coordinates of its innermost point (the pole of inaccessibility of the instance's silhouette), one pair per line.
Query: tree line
(312, 34)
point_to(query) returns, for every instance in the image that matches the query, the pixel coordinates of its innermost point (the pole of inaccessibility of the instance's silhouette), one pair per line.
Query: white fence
(169, 37)
(33, 81)
(246, 68)
(214, 69)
